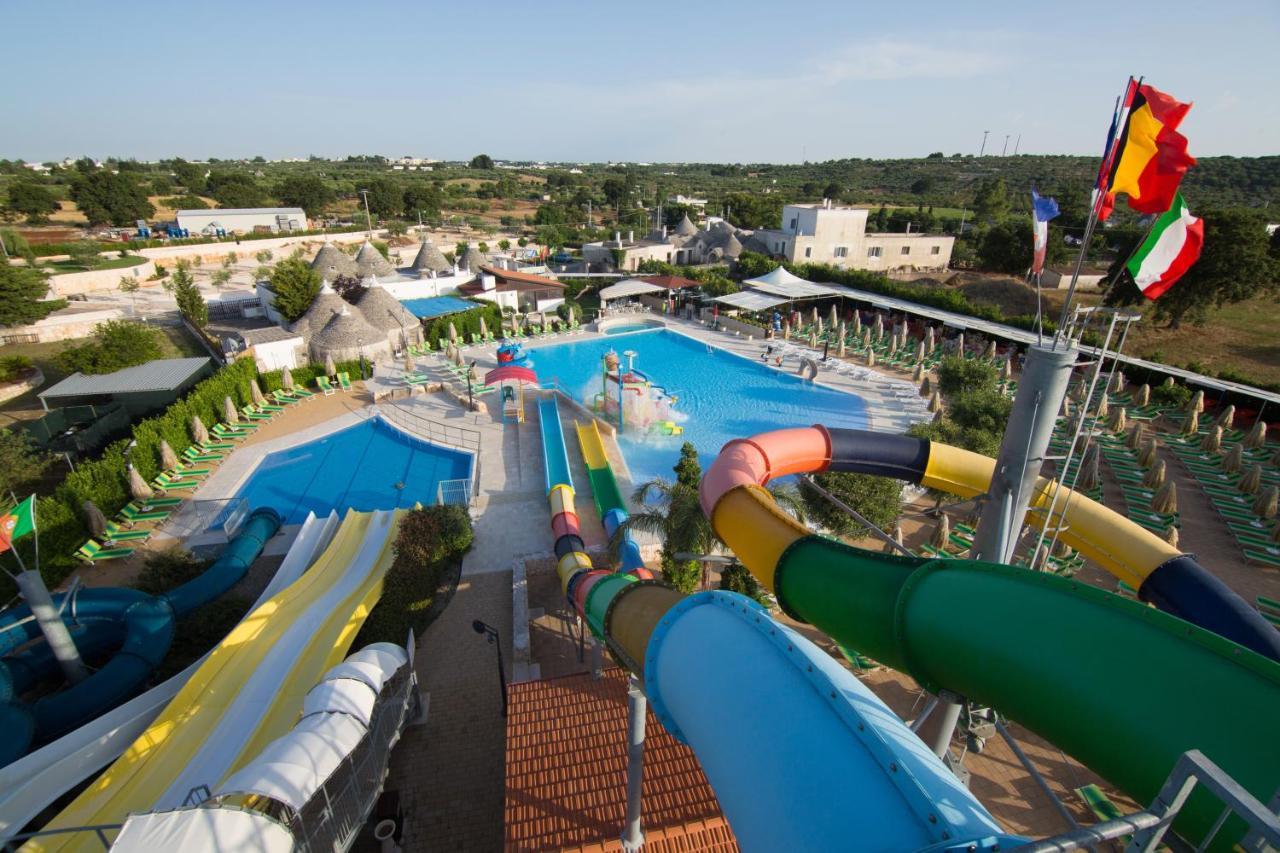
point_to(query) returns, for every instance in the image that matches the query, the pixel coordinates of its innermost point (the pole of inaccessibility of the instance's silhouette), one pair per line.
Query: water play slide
(249, 690)
(608, 497)
(34, 781)
(1123, 687)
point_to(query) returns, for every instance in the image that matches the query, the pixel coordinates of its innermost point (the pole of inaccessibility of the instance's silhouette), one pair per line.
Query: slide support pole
(1026, 441)
(949, 704)
(637, 708)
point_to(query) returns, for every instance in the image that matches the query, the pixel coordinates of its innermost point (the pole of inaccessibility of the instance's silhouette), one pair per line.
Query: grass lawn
(177, 343)
(56, 267)
(1240, 336)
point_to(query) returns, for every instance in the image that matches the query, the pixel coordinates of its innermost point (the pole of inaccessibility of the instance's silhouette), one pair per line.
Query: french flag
(1042, 210)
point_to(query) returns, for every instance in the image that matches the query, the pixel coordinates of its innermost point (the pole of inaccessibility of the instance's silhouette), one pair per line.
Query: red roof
(567, 773)
(671, 282)
(517, 276)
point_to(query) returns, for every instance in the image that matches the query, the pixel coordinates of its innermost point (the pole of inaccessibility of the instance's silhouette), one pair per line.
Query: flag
(1169, 250)
(1149, 157)
(1042, 210)
(17, 522)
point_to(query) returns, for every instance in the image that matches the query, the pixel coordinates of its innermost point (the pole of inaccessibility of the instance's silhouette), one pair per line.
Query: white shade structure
(628, 287)
(780, 282)
(748, 300)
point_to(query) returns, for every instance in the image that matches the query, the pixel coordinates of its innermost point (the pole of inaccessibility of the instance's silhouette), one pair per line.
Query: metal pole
(36, 594)
(502, 671)
(983, 149)
(950, 705)
(637, 708)
(1035, 774)
(857, 516)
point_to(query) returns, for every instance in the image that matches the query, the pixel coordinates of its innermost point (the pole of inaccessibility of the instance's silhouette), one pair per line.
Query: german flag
(1151, 156)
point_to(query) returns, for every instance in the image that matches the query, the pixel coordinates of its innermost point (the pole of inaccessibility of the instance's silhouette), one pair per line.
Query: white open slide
(248, 691)
(30, 784)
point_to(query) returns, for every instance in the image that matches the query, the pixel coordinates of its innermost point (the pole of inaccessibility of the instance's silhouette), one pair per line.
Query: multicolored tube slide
(829, 739)
(608, 497)
(1123, 687)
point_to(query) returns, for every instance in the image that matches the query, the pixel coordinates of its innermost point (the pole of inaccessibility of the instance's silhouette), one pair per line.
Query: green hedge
(466, 322)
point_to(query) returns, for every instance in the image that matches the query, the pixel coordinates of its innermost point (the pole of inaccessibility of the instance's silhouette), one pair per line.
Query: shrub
(736, 578)
(878, 499)
(12, 366)
(115, 345)
(433, 533)
(1175, 395)
(957, 374)
(165, 570)
(466, 322)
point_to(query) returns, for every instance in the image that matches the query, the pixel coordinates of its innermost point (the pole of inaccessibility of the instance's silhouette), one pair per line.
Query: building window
(873, 252)
(808, 251)
(935, 250)
(793, 223)
(906, 250)
(842, 251)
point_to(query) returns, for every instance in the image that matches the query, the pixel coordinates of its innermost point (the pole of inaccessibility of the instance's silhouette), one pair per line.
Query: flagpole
(34, 591)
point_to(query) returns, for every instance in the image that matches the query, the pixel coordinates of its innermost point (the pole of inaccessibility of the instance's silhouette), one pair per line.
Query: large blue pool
(367, 466)
(722, 395)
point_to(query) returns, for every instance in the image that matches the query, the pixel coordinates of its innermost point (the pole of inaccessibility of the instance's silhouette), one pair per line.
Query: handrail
(446, 434)
(99, 829)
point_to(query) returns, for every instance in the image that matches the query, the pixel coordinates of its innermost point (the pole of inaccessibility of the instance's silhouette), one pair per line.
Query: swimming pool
(628, 328)
(722, 395)
(367, 466)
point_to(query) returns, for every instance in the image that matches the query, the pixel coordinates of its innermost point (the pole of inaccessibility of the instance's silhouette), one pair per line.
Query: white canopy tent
(780, 282)
(204, 831)
(628, 287)
(750, 300)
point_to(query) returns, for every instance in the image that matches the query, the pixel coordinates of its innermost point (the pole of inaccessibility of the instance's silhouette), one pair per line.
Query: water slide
(1123, 687)
(608, 497)
(31, 783)
(248, 691)
(137, 626)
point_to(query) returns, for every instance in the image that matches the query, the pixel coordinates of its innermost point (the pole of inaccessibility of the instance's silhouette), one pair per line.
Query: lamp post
(491, 633)
(360, 350)
(471, 400)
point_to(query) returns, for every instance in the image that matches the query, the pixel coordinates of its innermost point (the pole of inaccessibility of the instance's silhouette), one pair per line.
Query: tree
(397, 227)
(129, 284)
(295, 285)
(22, 292)
(504, 244)
(189, 175)
(236, 189)
(117, 199)
(31, 200)
(308, 192)
(114, 345)
(881, 219)
(423, 199)
(832, 191)
(736, 578)
(15, 245)
(1235, 264)
(22, 463)
(1007, 246)
(957, 375)
(190, 302)
(481, 161)
(84, 253)
(920, 186)
(220, 278)
(385, 198)
(992, 201)
(264, 256)
(878, 499)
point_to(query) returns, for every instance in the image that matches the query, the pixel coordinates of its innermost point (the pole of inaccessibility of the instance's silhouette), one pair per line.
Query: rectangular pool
(367, 466)
(722, 395)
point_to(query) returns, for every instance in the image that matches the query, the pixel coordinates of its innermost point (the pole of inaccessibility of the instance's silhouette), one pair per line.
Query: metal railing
(454, 492)
(463, 491)
(196, 517)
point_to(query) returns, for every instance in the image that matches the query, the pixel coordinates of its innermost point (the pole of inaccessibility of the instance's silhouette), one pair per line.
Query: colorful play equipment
(1123, 687)
(511, 354)
(131, 627)
(249, 690)
(510, 380)
(631, 401)
(608, 497)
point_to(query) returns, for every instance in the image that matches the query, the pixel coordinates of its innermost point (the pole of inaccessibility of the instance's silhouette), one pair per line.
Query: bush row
(44, 250)
(466, 322)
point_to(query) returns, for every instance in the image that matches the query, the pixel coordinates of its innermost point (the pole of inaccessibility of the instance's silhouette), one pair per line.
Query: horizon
(276, 82)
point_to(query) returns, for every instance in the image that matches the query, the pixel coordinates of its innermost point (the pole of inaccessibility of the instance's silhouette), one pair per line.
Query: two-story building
(827, 234)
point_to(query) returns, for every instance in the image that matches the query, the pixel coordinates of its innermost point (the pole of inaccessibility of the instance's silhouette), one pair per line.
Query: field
(57, 267)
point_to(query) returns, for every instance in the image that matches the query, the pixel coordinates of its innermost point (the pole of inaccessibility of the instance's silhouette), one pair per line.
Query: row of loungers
(186, 476)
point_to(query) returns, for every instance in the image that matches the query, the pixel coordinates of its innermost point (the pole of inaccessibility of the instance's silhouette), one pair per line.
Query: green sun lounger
(166, 483)
(222, 431)
(154, 502)
(116, 533)
(322, 382)
(344, 381)
(285, 398)
(91, 552)
(249, 413)
(192, 454)
(133, 515)
(1265, 556)
(183, 469)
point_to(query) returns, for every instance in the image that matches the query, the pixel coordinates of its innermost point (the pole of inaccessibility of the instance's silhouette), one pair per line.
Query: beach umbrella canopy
(1268, 502)
(1192, 425)
(1147, 455)
(991, 350)
(935, 403)
(1118, 382)
(857, 322)
(138, 487)
(930, 340)
(1226, 419)
(917, 374)
(1168, 382)
(1275, 533)
(786, 329)
(1090, 476)
(879, 327)
(1154, 478)
(840, 348)
(453, 331)
(1166, 498)
(942, 532)
(893, 345)
(255, 392)
(1233, 460)
(408, 363)
(198, 432)
(1197, 402)
(168, 458)
(834, 316)
(897, 537)
(960, 344)
(1104, 408)
(813, 339)
(817, 322)
(286, 378)
(866, 337)
(871, 358)
(473, 375)
(96, 521)
(1212, 440)
(484, 330)
(329, 368)
(926, 388)
(1171, 535)
(1134, 439)
(1251, 482)
(841, 330)
(816, 319)
(229, 413)
(1006, 369)
(457, 356)
(1066, 407)
(1142, 397)
(1118, 420)
(1256, 438)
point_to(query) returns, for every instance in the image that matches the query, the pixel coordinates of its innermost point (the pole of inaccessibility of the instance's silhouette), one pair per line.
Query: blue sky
(656, 81)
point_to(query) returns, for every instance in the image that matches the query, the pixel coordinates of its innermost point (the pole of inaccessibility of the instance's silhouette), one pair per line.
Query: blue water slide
(554, 455)
(797, 728)
(630, 549)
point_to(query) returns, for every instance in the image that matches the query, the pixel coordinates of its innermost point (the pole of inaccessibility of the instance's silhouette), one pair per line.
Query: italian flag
(1169, 250)
(17, 522)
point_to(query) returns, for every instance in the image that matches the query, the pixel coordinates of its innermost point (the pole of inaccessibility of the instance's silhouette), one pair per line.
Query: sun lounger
(249, 413)
(183, 469)
(285, 397)
(116, 533)
(233, 434)
(344, 380)
(91, 552)
(132, 514)
(1264, 556)
(167, 484)
(301, 393)
(192, 454)
(322, 382)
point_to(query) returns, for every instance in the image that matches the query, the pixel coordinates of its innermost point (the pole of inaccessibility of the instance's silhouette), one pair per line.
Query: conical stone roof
(430, 259)
(323, 307)
(345, 330)
(383, 310)
(331, 262)
(732, 247)
(686, 228)
(471, 260)
(369, 261)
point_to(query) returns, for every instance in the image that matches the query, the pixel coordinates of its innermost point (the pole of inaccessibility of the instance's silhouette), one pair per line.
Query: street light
(491, 634)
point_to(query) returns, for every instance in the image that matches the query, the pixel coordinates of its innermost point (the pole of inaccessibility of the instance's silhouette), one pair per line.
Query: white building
(244, 220)
(826, 234)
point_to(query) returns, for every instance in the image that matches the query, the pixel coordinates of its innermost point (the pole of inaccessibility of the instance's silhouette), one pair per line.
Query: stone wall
(9, 390)
(75, 283)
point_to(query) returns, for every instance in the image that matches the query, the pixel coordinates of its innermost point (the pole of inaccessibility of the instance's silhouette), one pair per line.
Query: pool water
(630, 327)
(722, 395)
(365, 467)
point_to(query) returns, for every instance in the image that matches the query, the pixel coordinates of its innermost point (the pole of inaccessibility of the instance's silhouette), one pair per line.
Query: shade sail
(780, 282)
(204, 831)
(511, 373)
(628, 287)
(750, 300)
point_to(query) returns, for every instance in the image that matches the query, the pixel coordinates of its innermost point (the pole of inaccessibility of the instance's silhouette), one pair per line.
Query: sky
(694, 81)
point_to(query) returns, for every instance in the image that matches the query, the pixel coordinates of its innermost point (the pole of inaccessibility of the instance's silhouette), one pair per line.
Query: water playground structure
(629, 399)
(511, 354)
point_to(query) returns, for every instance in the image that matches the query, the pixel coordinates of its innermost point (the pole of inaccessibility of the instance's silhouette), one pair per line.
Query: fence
(196, 517)
(460, 492)
(78, 428)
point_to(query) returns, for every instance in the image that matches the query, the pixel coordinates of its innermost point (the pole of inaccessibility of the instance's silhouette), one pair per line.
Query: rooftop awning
(750, 300)
(628, 287)
(780, 282)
